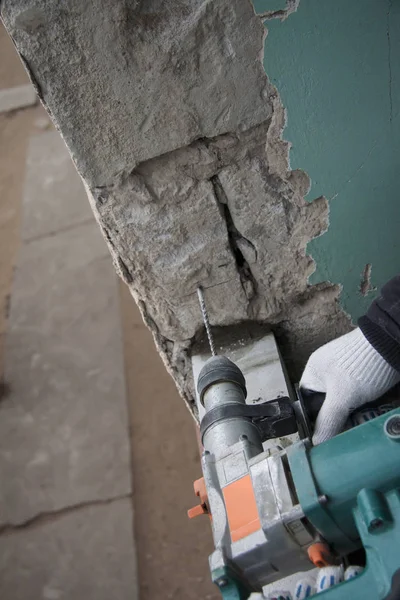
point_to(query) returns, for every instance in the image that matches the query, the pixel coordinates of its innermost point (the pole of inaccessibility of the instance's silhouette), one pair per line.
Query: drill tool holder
(273, 418)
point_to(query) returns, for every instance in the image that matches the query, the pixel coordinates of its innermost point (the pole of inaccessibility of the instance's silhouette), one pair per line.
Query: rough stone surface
(63, 426)
(85, 554)
(17, 97)
(169, 76)
(177, 132)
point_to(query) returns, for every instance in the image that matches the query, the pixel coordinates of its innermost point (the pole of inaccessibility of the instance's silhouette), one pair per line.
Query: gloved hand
(351, 372)
(313, 582)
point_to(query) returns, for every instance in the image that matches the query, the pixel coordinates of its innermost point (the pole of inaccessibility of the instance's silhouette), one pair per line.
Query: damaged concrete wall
(177, 134)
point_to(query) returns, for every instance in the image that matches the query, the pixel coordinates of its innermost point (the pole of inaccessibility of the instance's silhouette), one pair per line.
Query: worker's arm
(359, 366)
(381, 324)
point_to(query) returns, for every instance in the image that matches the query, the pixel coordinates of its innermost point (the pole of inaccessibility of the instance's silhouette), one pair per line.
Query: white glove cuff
(355, 355)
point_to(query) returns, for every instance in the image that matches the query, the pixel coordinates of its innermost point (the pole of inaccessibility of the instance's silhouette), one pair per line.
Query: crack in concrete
(247, 279)
(235, 170)
(218, 166)
(49, 517)
(158, 211)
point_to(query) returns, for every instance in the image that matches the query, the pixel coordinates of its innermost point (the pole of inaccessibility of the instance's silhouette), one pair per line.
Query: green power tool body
(273, 497)
(357, 474)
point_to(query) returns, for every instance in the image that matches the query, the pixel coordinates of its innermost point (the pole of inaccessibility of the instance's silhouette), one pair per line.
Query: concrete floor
(66, 525)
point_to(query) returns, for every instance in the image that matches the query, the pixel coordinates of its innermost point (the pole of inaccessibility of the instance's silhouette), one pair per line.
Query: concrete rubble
(177, 133)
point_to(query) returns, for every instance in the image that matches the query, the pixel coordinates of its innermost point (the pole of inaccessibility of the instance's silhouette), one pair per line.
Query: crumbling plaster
(177, 133)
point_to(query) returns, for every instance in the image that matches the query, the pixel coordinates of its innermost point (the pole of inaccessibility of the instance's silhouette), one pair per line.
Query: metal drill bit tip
(200, 293)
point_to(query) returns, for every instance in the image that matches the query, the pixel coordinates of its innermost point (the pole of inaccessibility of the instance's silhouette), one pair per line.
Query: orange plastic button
(320, 555)
(196, 511)
(200, 491)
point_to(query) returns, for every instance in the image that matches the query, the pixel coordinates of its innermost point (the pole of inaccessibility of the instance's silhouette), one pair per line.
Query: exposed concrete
(87, 554)
(167, 79)
(177, 132)
(17, 97)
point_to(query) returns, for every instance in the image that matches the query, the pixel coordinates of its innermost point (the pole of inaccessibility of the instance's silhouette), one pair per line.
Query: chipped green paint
(336, 67)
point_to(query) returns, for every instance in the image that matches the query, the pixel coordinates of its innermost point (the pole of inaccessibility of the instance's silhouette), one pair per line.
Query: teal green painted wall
(336, 65)
(261, 6)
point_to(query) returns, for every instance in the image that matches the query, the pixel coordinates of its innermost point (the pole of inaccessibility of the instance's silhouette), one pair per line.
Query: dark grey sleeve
(381, 324)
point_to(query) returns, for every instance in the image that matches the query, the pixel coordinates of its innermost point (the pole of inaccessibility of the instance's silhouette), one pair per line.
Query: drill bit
(200, 293)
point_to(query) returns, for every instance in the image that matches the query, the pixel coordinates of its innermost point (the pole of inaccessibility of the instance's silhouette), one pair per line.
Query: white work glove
(351, 373)
(312, 583)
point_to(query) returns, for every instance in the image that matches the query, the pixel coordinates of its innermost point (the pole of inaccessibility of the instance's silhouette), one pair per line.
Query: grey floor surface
(66, 519)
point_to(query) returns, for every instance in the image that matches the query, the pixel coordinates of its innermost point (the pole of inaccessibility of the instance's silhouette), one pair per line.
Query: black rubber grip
(275, 418)
(219, 369)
